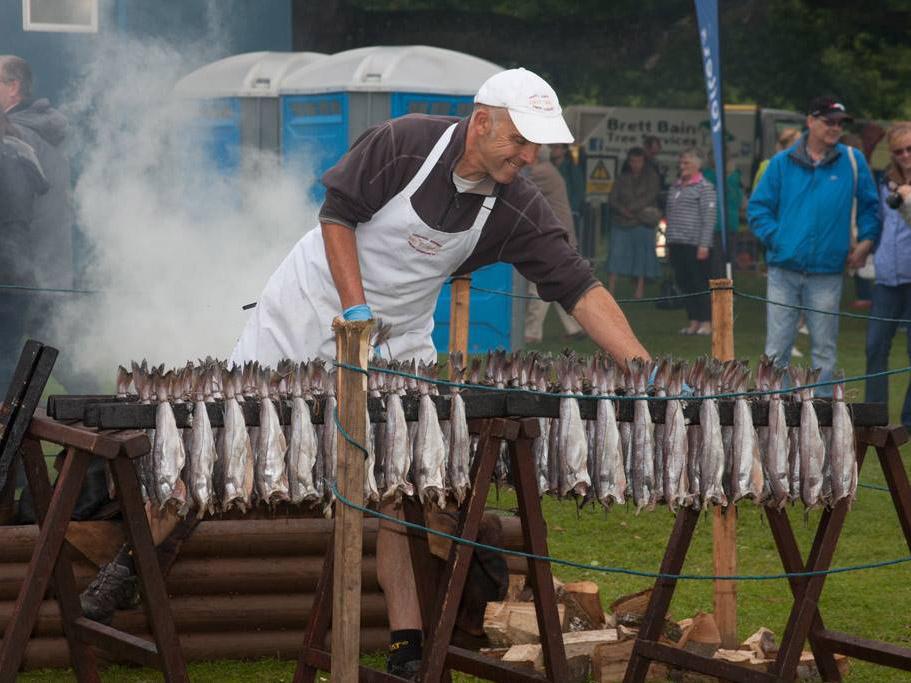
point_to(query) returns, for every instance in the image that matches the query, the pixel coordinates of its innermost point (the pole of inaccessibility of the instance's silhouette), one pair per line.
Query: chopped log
(516, 586)
(580, 645)
(515, 623)
(609, 662)
(583, 601)
(630, 609)
(745, 658)
(42, 653)
(701, 636)
(762, 643)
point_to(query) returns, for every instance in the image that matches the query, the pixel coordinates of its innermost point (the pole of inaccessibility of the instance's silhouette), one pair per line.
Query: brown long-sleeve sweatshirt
(522, 228)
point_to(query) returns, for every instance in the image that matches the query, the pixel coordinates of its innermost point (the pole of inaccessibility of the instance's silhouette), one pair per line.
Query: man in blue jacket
(802, 212)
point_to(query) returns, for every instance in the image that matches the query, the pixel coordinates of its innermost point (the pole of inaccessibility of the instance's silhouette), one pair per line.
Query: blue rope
(598, 568)
(841, 314)
(694, 397)
(875, 487)
(653, 299)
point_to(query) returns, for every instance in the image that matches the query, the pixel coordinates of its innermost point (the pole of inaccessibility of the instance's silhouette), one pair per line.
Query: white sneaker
(796, 353)
(803, 329)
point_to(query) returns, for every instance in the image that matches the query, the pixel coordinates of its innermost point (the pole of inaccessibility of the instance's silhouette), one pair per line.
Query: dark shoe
(408, 670)
(113, 588)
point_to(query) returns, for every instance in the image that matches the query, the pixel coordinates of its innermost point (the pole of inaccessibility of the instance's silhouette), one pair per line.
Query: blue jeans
(888, 302)
(803, 289)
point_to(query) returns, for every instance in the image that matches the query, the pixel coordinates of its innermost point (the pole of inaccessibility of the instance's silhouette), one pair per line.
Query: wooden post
(351, 348)
(458, 314)
(724, 520)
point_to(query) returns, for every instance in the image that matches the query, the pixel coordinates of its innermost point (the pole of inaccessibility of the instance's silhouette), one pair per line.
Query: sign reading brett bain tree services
(621, 128)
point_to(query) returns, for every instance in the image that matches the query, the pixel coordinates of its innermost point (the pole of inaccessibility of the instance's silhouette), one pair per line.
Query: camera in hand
(894, 200)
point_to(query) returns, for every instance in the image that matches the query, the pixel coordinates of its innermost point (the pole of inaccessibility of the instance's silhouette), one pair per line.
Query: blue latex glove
(685, 390)
(359, 312)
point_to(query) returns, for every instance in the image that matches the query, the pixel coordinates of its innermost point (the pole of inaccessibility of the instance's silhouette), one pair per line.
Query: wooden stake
(724, 520)
(351, 348)
(458, 314)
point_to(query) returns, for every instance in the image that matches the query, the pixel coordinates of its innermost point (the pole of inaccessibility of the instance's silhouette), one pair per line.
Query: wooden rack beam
(131, 415)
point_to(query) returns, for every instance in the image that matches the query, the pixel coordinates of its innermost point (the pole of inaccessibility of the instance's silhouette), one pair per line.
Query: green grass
(873, 604)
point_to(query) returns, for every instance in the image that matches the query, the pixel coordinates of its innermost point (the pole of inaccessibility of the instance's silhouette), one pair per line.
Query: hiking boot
(115, 587)
(408, 670)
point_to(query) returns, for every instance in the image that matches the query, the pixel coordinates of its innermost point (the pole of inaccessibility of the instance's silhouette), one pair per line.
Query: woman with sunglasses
(892, 292)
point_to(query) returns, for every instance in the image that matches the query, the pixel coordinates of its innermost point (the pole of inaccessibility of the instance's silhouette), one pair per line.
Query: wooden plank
(132, 647)
(43, 562)
(713, 667)
(478, 405)
(897, 480)
(724, 520)
(23, 396)
(490, 669)
(155, 596)
(884, 654)
(459, 314)
(352, 341)
(317, 621)
(132, 444)
(534, 532)
(653, 622)
(439, 633)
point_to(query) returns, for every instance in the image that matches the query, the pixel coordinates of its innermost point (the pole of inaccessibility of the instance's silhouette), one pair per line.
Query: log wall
(240, 589)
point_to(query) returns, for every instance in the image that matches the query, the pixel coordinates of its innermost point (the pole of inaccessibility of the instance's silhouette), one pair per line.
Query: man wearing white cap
(417, 200)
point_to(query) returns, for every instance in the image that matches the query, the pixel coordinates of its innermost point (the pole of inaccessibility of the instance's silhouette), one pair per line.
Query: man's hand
(702, 253)
(904, 191)
(858, 255)
(604, 322)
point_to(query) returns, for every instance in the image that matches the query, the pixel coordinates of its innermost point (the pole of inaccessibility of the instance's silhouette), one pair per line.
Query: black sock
(404, 645)
(124, 558)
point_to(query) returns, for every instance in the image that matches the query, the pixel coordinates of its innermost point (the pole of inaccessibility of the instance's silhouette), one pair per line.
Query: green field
(874, 604)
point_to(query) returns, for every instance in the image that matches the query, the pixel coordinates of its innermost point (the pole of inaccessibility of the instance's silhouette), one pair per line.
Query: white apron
(404, 264)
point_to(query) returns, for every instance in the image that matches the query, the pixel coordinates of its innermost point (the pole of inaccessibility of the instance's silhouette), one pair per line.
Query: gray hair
(694, 154)
(14, 68)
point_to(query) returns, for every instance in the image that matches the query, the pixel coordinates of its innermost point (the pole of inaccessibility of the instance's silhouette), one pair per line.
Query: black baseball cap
(830, 108)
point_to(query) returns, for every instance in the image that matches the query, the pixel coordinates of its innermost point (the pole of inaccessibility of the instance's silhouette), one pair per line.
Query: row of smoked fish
(602, 459)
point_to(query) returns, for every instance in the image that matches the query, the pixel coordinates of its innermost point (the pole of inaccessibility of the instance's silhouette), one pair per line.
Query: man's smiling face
(502, 150)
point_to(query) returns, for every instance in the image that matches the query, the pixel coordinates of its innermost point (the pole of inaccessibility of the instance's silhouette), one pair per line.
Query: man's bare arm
(341, 253)
(605, 323)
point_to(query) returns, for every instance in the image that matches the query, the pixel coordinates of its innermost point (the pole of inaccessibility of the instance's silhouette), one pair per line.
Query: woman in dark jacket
(635, 215)
(21, 182)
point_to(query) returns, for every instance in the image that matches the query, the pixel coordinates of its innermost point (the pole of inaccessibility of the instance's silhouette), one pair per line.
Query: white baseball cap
(532, 104)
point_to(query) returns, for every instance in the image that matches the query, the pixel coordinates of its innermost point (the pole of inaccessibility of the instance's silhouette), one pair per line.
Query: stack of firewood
(599, 643)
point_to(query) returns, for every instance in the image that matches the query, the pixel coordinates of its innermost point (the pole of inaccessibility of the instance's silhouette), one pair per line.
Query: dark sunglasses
(901, 150)
(832, 123)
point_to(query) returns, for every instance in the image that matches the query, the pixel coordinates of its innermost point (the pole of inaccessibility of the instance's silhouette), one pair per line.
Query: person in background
(863, 277)
(691, 215)
(652, 146)
(550, 183)
(801, 212)
(733, 199)
(22, 182)
(48, 260)
(892, 289)
(634, 204)
(573, 172)
(786, 138)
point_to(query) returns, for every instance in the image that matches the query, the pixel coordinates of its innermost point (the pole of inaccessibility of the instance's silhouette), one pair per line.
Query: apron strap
(484, 212)
(429, 162)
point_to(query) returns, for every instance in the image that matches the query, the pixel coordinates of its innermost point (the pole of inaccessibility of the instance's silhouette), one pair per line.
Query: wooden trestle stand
(439, 594)
(51, 563)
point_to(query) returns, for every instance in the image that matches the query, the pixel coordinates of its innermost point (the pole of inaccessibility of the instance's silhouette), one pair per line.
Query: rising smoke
(176, 248)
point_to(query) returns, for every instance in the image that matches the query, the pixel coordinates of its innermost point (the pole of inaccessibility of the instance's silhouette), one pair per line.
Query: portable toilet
(238, 102)
(327, 105)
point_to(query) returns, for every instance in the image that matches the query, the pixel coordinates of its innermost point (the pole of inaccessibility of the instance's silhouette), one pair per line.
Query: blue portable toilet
(237, 100)
(327, 105)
